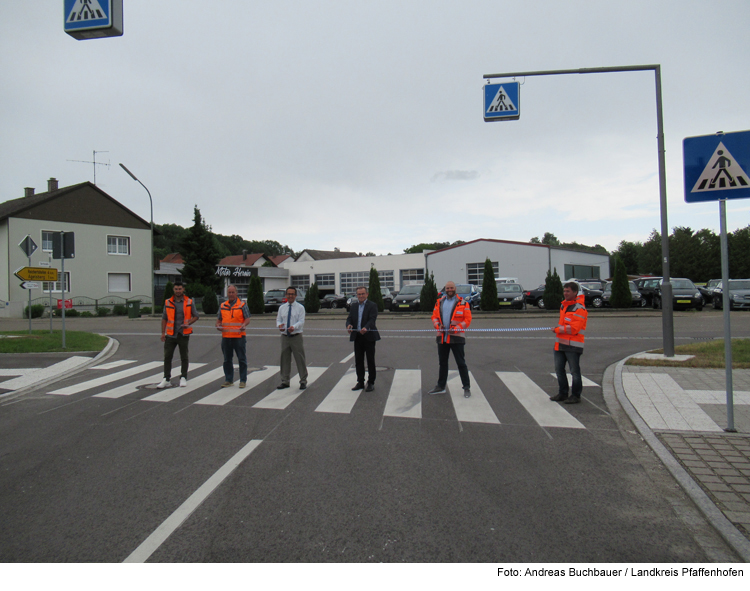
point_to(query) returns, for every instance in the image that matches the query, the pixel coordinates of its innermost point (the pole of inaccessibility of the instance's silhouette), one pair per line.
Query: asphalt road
(89, 478)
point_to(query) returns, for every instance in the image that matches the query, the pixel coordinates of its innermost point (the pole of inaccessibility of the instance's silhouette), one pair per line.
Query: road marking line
(405, 396)
(341, 399)
(166, 529)
(537, 402)
(475, 409)
(280, 399)
(225, 395)
(75, 389)
(584, 380)
(170, 394)
(47, 372)
(126, 389)
(347, 358)
(113, 364)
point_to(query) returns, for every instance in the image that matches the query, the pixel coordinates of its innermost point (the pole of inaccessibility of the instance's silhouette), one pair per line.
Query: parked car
(635, 294)
(407, 299)
(590, 283)
(273, 298)
(592, 297)
(684, 295)
(707, 291)
(511, 295)
(387, 298)
(647, 286)
(739, 295)
(333, 300)
(535, 297)
(591, 293)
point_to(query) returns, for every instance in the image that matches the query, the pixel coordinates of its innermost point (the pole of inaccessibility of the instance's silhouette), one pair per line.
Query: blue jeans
(573, 359)
(229, 347)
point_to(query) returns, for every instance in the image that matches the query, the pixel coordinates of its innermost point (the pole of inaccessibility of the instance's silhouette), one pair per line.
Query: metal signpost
(30, 275)
(63, 247)
(28, 246)
(716, 169)
(666, 286)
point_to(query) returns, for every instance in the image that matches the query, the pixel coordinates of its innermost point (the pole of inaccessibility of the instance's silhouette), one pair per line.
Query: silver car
(739, 294)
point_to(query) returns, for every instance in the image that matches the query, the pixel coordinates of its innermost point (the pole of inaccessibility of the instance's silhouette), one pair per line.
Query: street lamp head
(130, 173)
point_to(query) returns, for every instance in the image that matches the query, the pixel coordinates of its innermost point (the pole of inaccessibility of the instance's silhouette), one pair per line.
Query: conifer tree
(200, 255)
(375, 293)
(553, 291)
(621, 297)
(489, 299)
(428, 295)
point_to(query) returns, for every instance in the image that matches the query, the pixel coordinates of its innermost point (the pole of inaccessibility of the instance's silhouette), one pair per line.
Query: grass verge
(41, 341)
(707, 355)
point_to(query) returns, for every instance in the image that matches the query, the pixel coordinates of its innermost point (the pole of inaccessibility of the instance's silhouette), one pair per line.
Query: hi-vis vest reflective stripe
(572, 324)
(187, 310)
(461, 314)
(232, 319)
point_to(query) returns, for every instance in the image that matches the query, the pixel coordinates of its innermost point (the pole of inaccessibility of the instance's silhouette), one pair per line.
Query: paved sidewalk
(685, 409)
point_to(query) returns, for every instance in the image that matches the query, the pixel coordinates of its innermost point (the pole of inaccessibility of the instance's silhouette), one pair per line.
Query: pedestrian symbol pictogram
(721, 172)
(86, 10)
(501, 101)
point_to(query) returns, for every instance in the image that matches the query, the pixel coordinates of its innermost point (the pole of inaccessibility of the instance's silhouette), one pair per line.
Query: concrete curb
(713, 514)
(104, 354)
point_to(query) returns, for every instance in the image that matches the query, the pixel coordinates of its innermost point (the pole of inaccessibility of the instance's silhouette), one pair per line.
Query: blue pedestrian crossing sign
(502, 101)
(717, 166)
(93, 19)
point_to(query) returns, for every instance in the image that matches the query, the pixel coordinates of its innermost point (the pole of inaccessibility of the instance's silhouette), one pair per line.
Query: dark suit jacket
(369, 315)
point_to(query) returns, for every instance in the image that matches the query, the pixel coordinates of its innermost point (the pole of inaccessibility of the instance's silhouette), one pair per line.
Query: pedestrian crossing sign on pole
(717, 166)
(502, 101)
(93, 19)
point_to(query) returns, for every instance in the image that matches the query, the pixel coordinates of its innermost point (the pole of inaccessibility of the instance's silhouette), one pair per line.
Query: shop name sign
(236, 272)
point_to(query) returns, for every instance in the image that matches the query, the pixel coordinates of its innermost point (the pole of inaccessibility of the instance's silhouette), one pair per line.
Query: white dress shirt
(298, 316)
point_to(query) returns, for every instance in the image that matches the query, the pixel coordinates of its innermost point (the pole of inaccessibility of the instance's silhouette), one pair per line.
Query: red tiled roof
(237, 261)
(174, 257)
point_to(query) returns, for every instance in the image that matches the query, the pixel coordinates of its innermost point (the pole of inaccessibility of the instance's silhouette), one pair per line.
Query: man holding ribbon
(569, 336)
(290, 321)
(451, 317)
(231, 320)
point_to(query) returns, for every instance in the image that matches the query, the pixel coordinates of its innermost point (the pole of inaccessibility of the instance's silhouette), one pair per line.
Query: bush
(210, 302)
(37, 310)
(158, 309)
(255, 302)
(621, 297)
(86, 314)
(489, 299)
(120, 310)
(102, 311)
(375, 295)
(69, 313)
(429, 294)
(553, 291)
(146, 310)
(312, 299)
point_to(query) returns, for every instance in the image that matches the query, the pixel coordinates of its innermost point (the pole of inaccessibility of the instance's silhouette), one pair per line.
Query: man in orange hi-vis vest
(569, 336)
(179, 314)
(231, 320)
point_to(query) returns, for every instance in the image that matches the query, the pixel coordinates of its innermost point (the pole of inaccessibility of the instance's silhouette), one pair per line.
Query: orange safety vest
(461, 313)
(231, 327)
(572, 325)
(187, 313)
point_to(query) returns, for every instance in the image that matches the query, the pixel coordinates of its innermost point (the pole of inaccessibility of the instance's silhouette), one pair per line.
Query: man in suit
(364, 333)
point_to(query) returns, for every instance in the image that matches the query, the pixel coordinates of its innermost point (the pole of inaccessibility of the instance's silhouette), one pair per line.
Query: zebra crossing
(404, 400)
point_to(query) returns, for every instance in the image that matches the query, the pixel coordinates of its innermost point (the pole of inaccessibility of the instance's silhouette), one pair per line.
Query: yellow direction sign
(36, 274)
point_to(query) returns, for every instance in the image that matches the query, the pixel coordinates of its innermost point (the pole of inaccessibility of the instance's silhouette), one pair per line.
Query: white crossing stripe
(584, 380)
(44, 373)
(405, 396)
(347, 358)
(475, 409)
(170, 394)
(341, 399)
(226, 395)
(20, 371)
(76, 388)
(537, 402)
(131, 387)
(113, 364)
(280, 399)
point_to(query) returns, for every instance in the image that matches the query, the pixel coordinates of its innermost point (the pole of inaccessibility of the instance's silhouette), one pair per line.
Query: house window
(118, 282)
(118, 245)
(326, 280)
(53, 286)
(300, 281)
(475, 272)
(47, 240)
(412, 277)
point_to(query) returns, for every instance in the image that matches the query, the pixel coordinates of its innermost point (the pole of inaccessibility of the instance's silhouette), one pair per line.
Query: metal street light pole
(151, 253)
(666, 286)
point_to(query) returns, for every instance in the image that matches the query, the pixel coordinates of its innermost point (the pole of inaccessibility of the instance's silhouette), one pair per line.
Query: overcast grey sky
(358, 125)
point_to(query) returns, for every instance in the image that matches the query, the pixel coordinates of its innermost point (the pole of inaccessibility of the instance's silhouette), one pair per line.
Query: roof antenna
(94, 162)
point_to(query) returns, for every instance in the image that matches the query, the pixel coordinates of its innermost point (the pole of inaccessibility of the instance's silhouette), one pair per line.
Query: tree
(255, 302)
(422, 246)
(168, 292)
(210, 302)
(628, 253)
(489, 299)
(375, 294)
(550, 239)
(553, 291)
(738, 245)
(200, 255)
(312, 299)
(535, 240)
(621, 297)
(649, 259)
(429, 294)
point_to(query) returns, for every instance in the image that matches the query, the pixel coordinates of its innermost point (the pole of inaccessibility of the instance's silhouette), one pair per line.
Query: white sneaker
(163, 384)
(183, 383)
